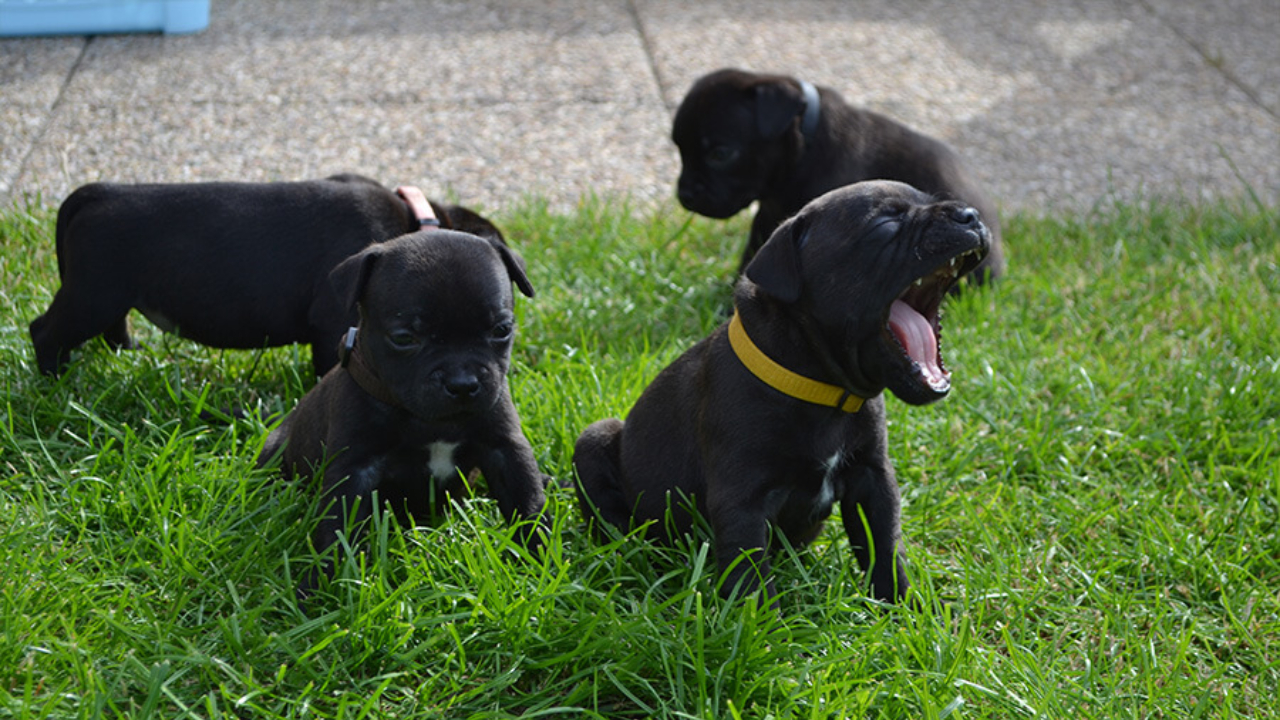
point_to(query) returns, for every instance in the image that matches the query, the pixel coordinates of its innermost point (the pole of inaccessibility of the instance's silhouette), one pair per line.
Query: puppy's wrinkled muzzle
(696, 198)
(454, 393)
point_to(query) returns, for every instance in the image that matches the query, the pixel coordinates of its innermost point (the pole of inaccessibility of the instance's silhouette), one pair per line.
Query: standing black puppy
(421, 393)
(779, 413)
(230, 265)
(745, 137)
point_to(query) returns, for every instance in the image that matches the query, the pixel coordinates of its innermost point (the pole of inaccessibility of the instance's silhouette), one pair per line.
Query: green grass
(1091, 516)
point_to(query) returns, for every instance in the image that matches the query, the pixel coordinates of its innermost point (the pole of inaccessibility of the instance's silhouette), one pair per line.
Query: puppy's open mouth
(914, 320)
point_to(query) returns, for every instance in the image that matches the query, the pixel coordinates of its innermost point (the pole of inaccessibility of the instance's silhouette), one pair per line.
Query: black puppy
(421, 393)
(779, 413)
(745, 137)
(230, 265)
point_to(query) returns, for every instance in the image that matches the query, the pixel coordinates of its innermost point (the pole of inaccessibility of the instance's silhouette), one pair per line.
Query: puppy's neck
(786, 381)
(806, 157)
(352, 359)
(782, 334)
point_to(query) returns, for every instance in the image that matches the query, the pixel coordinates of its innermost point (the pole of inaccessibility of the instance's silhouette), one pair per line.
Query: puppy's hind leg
(117, 335)
(69, 323)
(599, 486)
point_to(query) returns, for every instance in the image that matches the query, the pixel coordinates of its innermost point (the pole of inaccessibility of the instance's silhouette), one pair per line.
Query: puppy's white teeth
(919, 282)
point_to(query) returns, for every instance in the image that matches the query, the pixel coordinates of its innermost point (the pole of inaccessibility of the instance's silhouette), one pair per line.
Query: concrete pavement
(1056, 105)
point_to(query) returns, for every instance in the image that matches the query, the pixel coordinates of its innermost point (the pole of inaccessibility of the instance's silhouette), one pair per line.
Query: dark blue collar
(354, 362)
(809, 122)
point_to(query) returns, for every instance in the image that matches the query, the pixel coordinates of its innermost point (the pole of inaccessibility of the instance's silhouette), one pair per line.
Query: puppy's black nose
(965, 215)
(462, 386)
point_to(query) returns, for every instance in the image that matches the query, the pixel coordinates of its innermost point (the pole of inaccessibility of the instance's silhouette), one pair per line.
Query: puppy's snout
(461, 385)
(687, 193)
(965, 215)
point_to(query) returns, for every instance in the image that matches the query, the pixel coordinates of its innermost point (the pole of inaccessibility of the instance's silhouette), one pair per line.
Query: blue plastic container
(98, 17)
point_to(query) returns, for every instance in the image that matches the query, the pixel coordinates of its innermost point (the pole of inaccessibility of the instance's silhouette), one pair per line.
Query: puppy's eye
(502, 331)
(882, 229)
(721, 155)
(403, 340)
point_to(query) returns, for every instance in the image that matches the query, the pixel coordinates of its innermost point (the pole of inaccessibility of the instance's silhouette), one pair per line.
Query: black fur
(740, 141)
(229, 265)
(435, 335)
(817, 299)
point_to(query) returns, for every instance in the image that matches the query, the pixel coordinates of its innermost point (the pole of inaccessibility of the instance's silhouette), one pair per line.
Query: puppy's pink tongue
(916, 336)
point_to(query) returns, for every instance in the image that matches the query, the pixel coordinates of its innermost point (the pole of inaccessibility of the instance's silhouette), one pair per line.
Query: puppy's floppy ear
(514, 264)
(464, 219)
(349, 278)
(776, 267)
(778, 102)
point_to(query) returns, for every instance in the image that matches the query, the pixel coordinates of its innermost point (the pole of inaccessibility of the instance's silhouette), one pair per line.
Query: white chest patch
(827, 493)
(440, 462)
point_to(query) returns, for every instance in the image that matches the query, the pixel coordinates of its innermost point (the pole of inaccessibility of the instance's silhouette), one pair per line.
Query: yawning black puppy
(779, 413)
(745, 137)
(421, 395)
(229, 265)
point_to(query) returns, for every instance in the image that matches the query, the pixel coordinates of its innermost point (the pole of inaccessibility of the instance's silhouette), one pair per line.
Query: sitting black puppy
(229, 265)
(779, 413)
(420, 397)
(745, 137)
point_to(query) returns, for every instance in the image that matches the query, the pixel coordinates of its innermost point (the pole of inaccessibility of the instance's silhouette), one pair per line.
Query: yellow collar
(782, 379)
